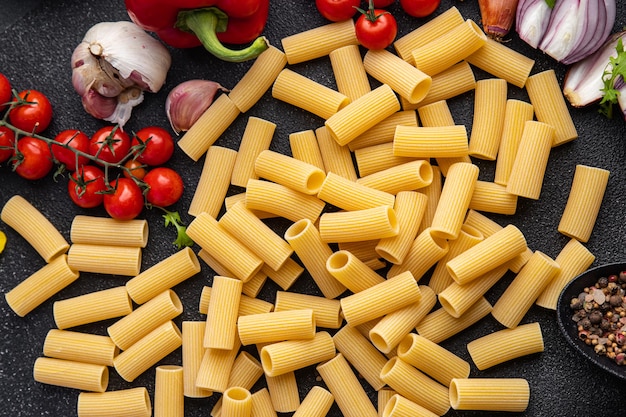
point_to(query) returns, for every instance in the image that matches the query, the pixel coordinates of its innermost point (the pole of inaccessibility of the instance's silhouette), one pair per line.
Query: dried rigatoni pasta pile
(379, 195)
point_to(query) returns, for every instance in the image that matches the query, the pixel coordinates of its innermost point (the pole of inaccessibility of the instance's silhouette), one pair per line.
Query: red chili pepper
(191, 23)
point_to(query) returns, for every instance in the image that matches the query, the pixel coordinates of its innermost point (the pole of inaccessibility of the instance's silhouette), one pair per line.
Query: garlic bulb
(188, 100)
(112, 67)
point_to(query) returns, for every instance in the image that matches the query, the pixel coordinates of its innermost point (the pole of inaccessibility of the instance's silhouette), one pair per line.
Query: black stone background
(36, 41)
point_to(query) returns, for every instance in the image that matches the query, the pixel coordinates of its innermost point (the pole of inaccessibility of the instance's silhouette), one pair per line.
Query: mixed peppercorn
(600, 314)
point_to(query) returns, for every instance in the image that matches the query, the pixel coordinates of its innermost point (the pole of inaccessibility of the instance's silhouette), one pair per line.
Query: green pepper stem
(204, 24)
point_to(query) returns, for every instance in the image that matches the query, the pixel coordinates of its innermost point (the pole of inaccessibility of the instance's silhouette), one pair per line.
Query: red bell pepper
(191, 23)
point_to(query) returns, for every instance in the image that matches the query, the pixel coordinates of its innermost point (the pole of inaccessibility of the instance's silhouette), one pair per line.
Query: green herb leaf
(173, 218)
(551, 3)
(615, 68)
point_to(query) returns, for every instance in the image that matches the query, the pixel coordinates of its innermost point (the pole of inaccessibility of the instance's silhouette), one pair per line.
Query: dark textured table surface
(36, 41)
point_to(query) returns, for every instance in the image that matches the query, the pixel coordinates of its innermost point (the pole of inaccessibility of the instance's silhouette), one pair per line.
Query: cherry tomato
(419, 8)
(154, 145)
(135, 169)
(376, 28)
(126, 201)
(110, 143)
(33, 117)
(165, 186)
(7, 143)
(379, 4)
(74, 139)
(33, 159)
(86, 185)
(5, 91)
(337, 10)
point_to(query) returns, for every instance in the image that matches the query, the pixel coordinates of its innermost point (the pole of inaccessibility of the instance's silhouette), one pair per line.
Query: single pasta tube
(237, 402)
(349, 72)
(41, 285)
(584, 202)
(376, 158)
(105, 259)
(352, 195)
(381, 299)
(316, 403)
(150, 349)
(404, 78)
(276, 326)
(318, 42)
(433, 192)
(436, 114)
(454, 81)
(145, 318)
(574, 259)
(214, 181)
(352, 272)
(71, 374)
(327, 312)
(92, 307)
(489, 108)
(256, 138)
(486, 255)
(307, 94)
(192, 336)
(383, 131)
(427, 32)
(416, 386)
(428, 356)
(258, 79)
(360, 352)
(454, 201)
(550, 107)
(282, 357)
(390, 330)
(367, 224)
(222, 314)
(107, 231)
(430, 142)
(425, 251)
(282, 201)
(516, 114)
(34, 227)
(439, 325)
(505, 345)
(308, 245)
(215, 367)
(503, 62)
(409, 207)
(284, 277)
(131, 402)
(493, 198)
(399, 406)
(346, 388)
(364, 250)
(221, 245)
(289, 171)
(409, 176)
(209, 127)
(256, 236)
(163, 275)
(169, 399)
(337, 158)
(80, 347)
(468, 36)
(490, 394)
(283, 391)
(262, 405)
(304, 147)
(524, 290)
(526, 178)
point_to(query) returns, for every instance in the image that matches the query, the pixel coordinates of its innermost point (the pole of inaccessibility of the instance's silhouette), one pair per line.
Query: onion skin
(497, 16)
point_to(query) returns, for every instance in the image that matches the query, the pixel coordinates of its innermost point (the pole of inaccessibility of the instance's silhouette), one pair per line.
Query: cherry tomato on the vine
(154, 145)
(383, 3)
(337, 10)
(34, 115)
(74, 139)
(376, 28)
(7, 143)
(419, 8)
(33, 159)
(5, 91)
(165, 186)
(110, 144)
(86, 185)
(135, 169)
(126, 200)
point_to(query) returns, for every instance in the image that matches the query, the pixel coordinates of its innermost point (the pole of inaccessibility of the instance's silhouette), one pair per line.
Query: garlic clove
(188, 100)
(124, 107)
